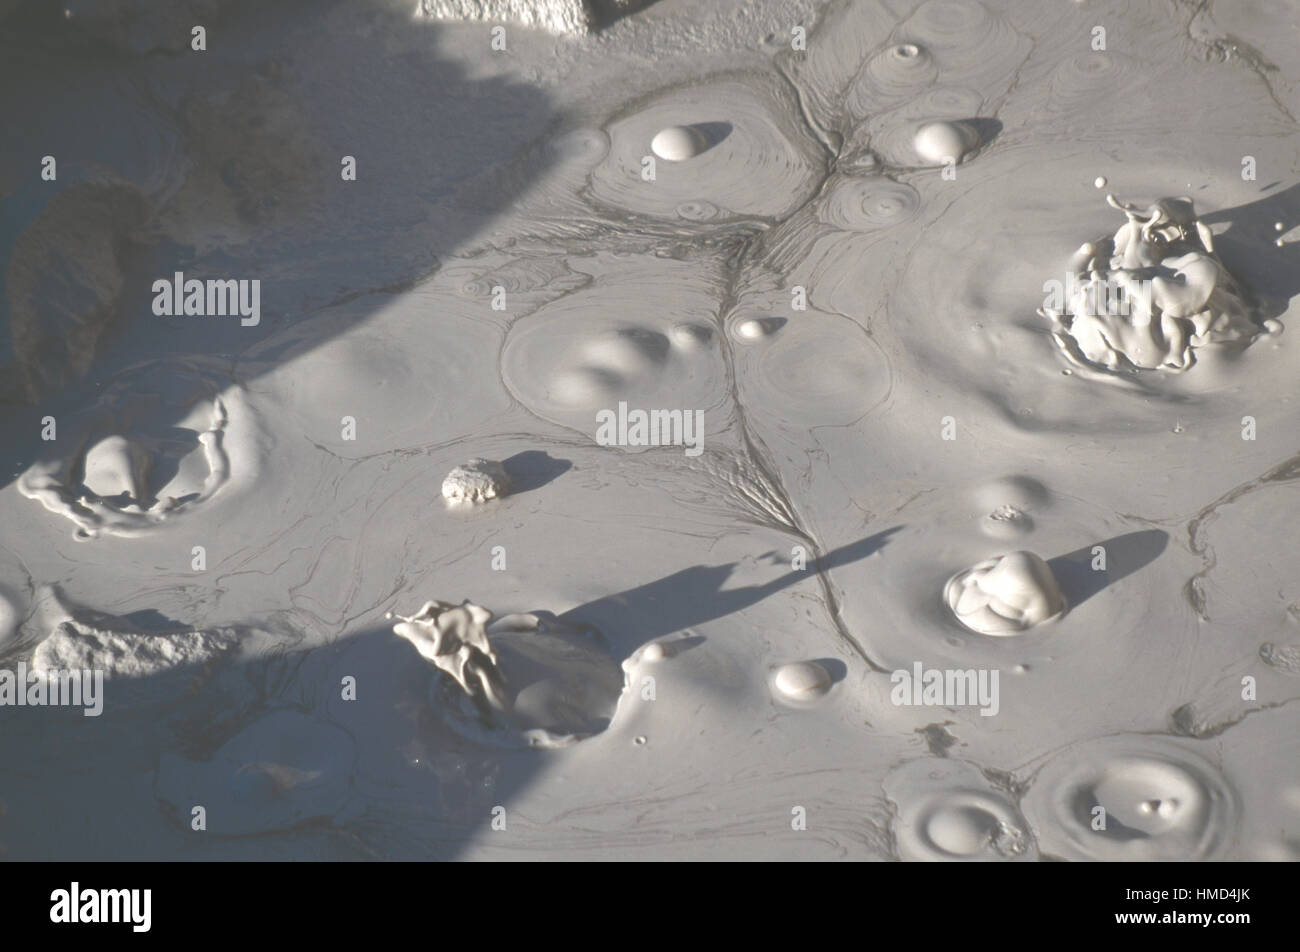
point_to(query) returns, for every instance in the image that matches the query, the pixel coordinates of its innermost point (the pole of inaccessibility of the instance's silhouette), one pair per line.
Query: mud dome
(1151, 295)
(1005, 595)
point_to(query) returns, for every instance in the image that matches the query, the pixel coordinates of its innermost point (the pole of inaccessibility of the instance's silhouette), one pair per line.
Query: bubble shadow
(713, 132)
(533, 469)
(836, 668)
(1124, 554)
(1269, 275)
(986, 129)
(695, 596)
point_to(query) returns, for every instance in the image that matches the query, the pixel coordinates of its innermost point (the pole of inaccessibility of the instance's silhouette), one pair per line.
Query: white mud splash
(475, 481)
(1005, 595)
(161, 441)
(1151, 295)
(537, 683)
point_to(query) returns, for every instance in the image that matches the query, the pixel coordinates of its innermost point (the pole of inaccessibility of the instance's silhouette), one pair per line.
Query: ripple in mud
(572, 359)
(947, 810)
(869, 204)
(818, 370)
(733, 143)
(1082, 78)
(698, 210)
(968, 40)
(893, 75)
(1131, 798)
